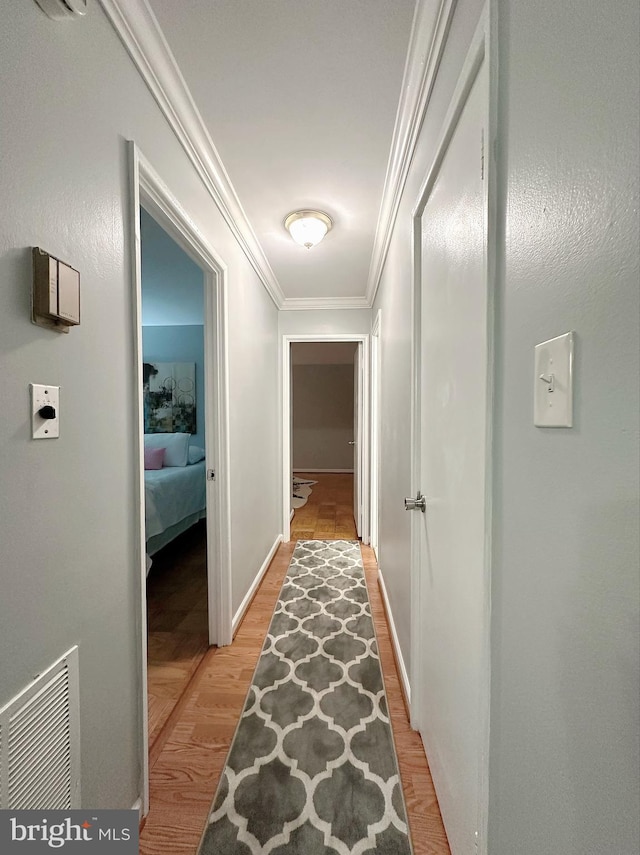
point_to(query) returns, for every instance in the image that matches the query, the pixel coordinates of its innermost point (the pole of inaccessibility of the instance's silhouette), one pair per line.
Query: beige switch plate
(55, 294)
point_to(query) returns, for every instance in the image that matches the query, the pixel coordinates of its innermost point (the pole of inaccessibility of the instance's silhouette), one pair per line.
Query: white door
(453, 361)
(357, 443)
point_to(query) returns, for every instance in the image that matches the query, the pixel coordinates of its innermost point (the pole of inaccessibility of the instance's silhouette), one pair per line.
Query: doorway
(150, 195)
(323, 440)
(451, 523)
(174, 395)
(352, 441)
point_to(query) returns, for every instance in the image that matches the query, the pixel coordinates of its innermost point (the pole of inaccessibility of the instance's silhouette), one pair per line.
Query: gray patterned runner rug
(312, 769)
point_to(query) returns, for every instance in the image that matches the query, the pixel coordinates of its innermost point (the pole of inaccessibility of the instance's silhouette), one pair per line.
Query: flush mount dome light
(308, 227)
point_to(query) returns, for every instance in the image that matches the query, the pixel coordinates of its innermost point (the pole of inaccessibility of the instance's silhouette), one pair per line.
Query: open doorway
(206, 536)
(325, 447)
(323, 440)
(174, 412)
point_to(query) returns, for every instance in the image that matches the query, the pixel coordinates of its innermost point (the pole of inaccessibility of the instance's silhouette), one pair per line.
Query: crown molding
(299, 304)
(426, 45)
(139, 31)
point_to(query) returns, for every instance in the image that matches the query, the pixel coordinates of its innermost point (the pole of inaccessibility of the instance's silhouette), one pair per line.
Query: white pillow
(196, 454)
(176, 445)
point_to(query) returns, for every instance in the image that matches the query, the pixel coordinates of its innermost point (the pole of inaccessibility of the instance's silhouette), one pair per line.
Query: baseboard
(137, 806)
(397, 652)
(326, 471)
(246, 602)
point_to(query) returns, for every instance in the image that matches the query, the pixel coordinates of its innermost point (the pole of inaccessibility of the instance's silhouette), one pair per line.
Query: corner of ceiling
(426, 44)
(140, 33)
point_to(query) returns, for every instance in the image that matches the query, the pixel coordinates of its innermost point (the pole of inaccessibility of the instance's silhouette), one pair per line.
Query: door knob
(352, 442)
(417, 504)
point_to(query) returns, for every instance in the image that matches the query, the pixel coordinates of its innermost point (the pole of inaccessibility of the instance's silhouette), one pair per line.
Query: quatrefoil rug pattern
(312, 769)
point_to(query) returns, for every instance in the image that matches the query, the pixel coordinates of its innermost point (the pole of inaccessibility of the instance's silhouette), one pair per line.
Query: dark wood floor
(178, 634)
(195, 741)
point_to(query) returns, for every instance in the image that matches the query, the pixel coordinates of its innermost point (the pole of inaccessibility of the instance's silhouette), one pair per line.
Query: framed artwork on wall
(169, 390)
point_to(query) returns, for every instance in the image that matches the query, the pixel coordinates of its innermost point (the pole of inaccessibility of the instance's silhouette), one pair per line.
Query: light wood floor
(328, 513)
(186, 771)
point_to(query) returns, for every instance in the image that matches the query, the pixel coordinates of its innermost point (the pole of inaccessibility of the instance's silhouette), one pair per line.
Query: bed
(175, 488)
(175, 499)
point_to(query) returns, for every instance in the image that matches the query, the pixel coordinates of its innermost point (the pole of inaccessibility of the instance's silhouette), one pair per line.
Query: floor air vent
(40, 741)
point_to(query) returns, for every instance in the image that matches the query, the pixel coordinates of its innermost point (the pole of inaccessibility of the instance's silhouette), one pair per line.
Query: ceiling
(299, 98)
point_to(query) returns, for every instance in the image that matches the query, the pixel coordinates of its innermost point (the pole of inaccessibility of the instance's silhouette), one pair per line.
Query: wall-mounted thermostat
(55, 299)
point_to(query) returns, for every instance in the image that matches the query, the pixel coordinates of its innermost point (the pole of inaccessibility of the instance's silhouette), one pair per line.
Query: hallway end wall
(324, 321)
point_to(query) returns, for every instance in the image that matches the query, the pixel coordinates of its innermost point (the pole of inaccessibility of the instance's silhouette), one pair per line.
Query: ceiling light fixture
(308, 227)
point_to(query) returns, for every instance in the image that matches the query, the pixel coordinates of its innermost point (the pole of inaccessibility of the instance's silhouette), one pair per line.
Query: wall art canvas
(169, 397)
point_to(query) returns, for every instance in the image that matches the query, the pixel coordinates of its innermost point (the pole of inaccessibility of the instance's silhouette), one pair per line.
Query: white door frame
(482, 47)
(148, 188)
(374, 500)
(362, 440)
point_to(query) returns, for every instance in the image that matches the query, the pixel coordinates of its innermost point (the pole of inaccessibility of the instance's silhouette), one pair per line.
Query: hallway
(185, 774)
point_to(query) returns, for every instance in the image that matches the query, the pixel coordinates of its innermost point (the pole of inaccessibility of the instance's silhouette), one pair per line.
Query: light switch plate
(553, 382)
(42, 396)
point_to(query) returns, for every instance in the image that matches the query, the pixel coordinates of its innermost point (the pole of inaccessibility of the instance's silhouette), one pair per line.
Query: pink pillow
(154, 458)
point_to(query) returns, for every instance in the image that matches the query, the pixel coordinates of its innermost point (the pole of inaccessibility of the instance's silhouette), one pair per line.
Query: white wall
(70, 99)
(564, 718)
(324, 321)
(564, 724)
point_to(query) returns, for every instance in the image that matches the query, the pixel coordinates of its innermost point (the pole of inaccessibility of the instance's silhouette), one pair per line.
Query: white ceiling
(300, 99)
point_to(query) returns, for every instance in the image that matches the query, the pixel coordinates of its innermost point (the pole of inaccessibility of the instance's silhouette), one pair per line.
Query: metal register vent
(40, 741)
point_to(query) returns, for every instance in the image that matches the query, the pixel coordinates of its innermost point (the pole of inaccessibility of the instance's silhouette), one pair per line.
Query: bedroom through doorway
(173, 406)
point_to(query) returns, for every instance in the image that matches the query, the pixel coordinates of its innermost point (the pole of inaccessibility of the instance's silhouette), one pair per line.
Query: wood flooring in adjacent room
(328, 513)
(186, 772)
(177, 624)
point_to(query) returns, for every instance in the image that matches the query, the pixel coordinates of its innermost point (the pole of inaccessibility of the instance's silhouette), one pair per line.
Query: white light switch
(553, 382)
(45, 411)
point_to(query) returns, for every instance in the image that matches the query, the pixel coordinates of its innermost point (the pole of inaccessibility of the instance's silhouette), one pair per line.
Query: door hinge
(211, 475)
(482, 155)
